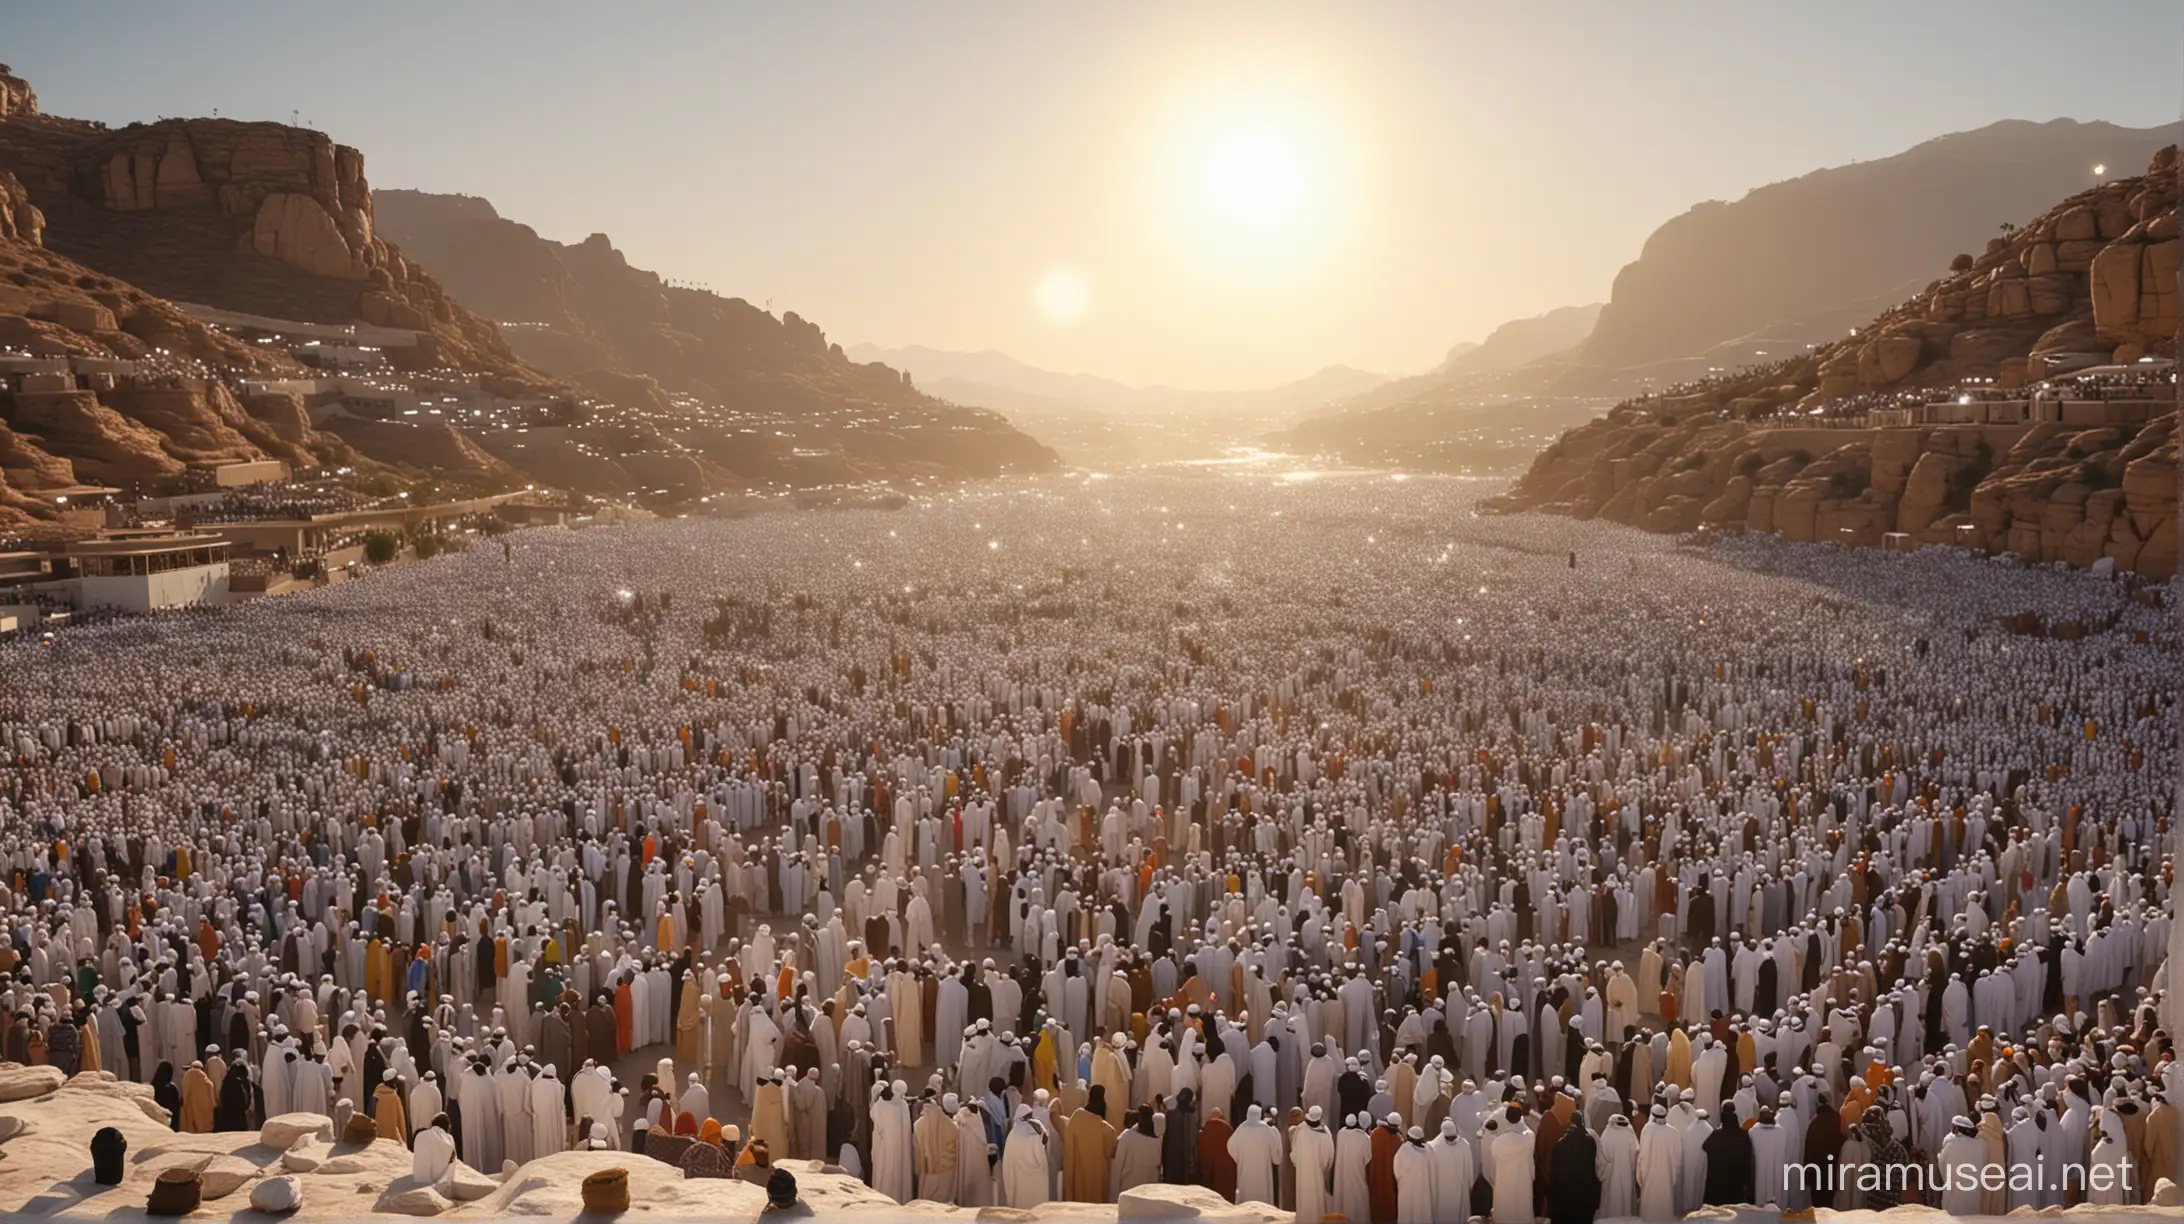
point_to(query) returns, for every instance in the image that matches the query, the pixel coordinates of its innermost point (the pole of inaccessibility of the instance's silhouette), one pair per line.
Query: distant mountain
(1844, 235)
(1522, 341)
(582, 311)
(1725, 285)
(1100, 422)
(995, 376)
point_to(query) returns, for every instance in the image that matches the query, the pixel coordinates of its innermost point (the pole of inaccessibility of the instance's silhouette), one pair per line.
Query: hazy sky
(1205, 195)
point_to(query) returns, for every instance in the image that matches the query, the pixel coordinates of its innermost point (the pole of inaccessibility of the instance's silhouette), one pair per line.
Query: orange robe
(624, 1016)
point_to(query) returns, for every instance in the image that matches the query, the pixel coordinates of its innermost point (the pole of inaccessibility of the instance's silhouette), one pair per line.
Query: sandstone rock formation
(2094, 277)
(103, 230)
(254, 217)
(132, 431)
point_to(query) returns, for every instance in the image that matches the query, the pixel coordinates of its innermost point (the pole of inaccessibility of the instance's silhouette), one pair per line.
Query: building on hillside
(140, 571)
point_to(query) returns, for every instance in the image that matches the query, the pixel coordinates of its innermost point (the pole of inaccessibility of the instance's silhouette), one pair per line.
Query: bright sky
(1203, 195)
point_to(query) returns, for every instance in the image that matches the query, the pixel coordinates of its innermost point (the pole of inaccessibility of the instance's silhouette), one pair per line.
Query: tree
(380, 547)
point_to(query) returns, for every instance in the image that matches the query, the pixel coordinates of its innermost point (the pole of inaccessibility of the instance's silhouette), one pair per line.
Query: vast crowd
(1323, 843)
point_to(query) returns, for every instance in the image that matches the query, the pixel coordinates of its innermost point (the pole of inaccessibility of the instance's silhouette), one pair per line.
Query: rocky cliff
(688, 394)
(1843, 235)
(583, 311)
(1734, 283)
(143, 429)
(260, 218)
(2093, 278)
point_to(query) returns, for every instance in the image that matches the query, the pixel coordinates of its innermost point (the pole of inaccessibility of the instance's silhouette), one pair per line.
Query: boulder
(276, 1195)
(296, 230)
(360, 1129)
(2051, 294)
(607, 1191)
(174, 1193)
(78, 315)
(2077, 255)
(1159, 1201)
(177, 183)
(20, 1083)
(406, 1196)
(467, 1185)
(1981, 349)
(2115, 287)
(2075, 336)
(1926, 491)
(283, 1131)
(2075, 223)
(2009, 299)
(1885, 361)
(219, 1175)
(2157, 306)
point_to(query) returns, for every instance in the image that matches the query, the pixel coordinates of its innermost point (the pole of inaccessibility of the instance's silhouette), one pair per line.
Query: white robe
(1615, 1160)
(1660, 1171)
(1312, 1155)
(1413, 1184)
(549, 1125)
(1257, 1151)
(1509, 1158)
(1025, 1169)
(1452, 1179)
(894, 1156)
(432, 1160)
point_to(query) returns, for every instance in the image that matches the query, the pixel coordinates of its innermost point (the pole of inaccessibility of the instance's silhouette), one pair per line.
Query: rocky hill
(259, 218)
(627, 336)
(1744, 282)
(139, 429)
(115, 237)
(1844, 234)
(1771, 448)
(1476, 412)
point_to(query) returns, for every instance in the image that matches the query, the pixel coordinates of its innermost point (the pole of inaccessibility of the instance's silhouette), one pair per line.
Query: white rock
(2167, 1194)
(406, 1197)
(19, 1083)
(468, 1185)
(283, 1131)
(220, 1176)
(276, 1195)
(1165, 1202)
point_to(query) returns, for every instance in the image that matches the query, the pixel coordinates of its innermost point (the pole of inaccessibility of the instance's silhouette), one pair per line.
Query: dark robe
(1573, 1186)
(232, 1111)
(1823, 1148)
(1179, 1146)
(1730, 1169)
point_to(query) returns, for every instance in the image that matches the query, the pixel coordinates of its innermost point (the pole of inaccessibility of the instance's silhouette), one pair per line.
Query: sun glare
(1255, 179)
(1062, 295)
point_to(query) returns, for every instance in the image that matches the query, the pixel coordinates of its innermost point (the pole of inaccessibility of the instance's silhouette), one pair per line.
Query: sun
(1062, 295)
(1255, 178)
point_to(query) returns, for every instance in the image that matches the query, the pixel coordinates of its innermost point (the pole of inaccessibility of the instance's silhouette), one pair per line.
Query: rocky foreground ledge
(47, 1121)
